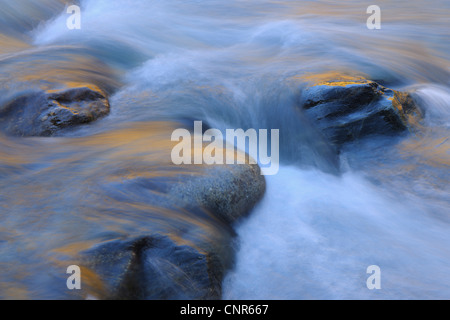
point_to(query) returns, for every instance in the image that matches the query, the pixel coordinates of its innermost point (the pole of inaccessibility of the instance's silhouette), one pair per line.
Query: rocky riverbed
(87, 178)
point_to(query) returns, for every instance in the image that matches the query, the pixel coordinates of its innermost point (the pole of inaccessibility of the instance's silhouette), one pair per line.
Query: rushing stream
(237, 64)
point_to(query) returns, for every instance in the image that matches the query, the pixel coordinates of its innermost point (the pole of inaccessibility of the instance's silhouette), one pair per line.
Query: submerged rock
(154, 267)
(44, 114)
(349, 110)
(151, 265)
(138, 226)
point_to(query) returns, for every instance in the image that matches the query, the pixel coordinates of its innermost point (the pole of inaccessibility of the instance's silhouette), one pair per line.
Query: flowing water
(236, 64)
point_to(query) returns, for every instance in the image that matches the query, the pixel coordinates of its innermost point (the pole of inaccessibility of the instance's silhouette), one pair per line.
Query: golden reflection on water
(430, 149)
(60, 196)
(10, 44)
(77, 192)
(55, 68)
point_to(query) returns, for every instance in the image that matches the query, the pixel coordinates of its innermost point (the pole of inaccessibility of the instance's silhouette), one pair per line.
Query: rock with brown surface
(45, 114)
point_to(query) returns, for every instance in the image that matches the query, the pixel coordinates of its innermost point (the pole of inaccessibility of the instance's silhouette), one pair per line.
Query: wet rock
(200, 205)
(230, 192)
(139, 226)
(44, 114)
(348, 110)
(154, 267)
(180, 246)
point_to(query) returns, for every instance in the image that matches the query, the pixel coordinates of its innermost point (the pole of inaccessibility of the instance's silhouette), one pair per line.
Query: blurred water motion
(232, 64)
(61, 196)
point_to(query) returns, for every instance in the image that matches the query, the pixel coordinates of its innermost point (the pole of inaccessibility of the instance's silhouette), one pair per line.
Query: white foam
(314, 235)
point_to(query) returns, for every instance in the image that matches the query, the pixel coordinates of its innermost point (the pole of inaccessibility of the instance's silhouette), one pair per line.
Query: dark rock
(349, 110)
(44, 114)
(154, 267)
(139, 226)
(195, 205)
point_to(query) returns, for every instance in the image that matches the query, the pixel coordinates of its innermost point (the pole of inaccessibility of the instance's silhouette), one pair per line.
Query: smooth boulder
(151, 229)
(230, 191)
